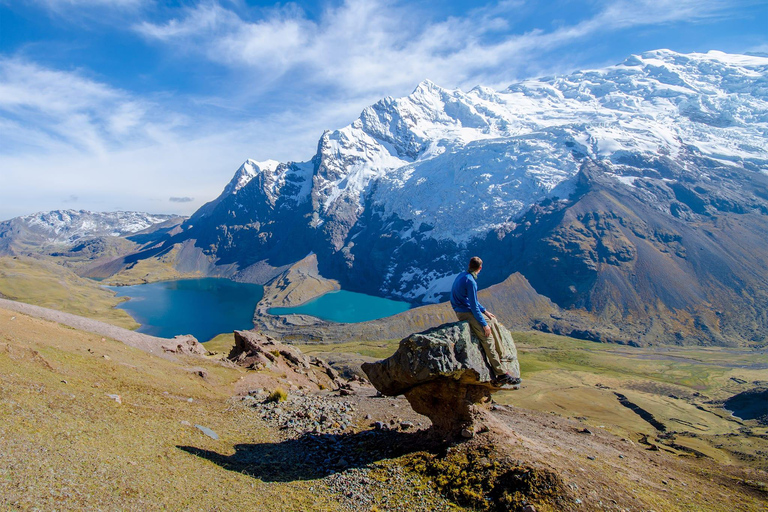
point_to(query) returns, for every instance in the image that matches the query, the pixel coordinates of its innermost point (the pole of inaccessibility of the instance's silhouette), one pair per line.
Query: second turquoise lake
(346, 307)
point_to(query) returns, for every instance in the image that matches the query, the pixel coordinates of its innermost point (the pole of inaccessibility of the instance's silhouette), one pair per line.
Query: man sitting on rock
(467, 308)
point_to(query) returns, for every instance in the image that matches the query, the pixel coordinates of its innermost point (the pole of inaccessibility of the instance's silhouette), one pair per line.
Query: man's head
(475, 264)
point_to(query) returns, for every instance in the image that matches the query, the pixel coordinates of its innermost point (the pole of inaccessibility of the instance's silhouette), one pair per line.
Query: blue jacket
(464, 297)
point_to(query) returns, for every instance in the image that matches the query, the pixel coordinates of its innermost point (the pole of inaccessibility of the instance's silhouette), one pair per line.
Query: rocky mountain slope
(637, 193)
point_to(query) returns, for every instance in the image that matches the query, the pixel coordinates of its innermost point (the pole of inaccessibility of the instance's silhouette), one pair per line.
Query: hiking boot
(507, 379)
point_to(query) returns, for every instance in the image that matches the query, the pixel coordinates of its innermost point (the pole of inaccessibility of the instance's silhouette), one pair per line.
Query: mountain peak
(249, 170)
(427, 85)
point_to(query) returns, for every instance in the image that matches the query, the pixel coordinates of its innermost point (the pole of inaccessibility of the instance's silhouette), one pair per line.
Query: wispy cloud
(52, 110)
(373, 45)
(63, 4)
(65, 135)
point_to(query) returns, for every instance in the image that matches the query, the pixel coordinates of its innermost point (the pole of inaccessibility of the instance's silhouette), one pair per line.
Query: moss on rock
(478, 477)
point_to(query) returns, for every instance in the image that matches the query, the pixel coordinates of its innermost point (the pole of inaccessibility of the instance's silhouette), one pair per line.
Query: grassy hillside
(681, 388)
(43, 283)
(149, 270)
(67, 445)
(89, 423)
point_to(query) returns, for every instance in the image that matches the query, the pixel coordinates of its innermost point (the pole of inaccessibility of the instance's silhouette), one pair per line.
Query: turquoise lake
(346, 307)
(203, 307)
(208, 307)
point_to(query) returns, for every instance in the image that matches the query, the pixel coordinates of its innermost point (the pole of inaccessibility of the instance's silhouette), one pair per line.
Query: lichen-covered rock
(443, 372)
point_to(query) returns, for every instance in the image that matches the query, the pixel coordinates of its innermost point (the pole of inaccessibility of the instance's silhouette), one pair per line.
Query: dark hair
(475, 263)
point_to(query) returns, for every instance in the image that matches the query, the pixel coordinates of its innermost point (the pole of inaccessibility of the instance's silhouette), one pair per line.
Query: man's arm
(474, 305)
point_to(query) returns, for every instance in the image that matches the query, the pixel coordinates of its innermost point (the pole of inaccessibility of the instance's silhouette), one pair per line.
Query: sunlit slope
(43, 283)
(670, 398)
(68, 444)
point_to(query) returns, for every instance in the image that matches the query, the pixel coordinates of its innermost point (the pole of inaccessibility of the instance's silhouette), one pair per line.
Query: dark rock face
(253, 224)
(647, 274)
(443, 372)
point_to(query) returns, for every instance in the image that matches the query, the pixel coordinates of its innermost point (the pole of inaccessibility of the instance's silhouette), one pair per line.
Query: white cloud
(364, 46)
(51, 110)
(65, 135)
(61, 4)
(201, 19)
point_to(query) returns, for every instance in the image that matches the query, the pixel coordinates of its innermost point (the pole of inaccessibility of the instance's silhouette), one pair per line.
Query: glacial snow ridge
(69, 226)
(415, 183)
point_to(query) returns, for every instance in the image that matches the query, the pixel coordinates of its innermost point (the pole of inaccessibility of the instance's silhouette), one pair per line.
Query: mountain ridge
(608, 190)
(67, 227)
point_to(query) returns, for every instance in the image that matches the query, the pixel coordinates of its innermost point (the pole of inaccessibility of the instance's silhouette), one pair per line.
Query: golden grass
(44, 283)
(278, 395)
(678, 385)
(377, 349)
(67, 445)
(221, 344)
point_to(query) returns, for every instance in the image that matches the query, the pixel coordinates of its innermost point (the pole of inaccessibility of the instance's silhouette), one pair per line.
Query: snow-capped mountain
(67, 227)
(454, 165)
(394, 203)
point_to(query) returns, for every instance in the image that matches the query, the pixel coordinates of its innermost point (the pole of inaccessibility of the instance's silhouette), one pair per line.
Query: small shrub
(278, 395)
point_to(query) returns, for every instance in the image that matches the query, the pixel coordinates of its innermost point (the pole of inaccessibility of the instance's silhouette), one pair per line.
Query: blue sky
(152, 106)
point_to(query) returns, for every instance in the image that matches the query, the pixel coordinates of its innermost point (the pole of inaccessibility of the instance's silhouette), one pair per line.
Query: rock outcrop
(258, 351)
(184, 344)
(444, 374)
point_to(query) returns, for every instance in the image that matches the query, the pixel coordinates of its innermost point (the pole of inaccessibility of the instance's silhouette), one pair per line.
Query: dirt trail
(151, 344)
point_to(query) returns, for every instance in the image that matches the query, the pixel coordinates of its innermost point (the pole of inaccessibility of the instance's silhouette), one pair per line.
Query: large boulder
(444, 373)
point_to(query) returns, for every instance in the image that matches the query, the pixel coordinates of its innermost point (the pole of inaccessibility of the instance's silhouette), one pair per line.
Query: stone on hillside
(443, 373)
(184, 344)
(210, 433)
(255, 347)
(256, 350)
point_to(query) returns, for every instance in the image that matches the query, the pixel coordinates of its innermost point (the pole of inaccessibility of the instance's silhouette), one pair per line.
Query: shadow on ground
(314, 456)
